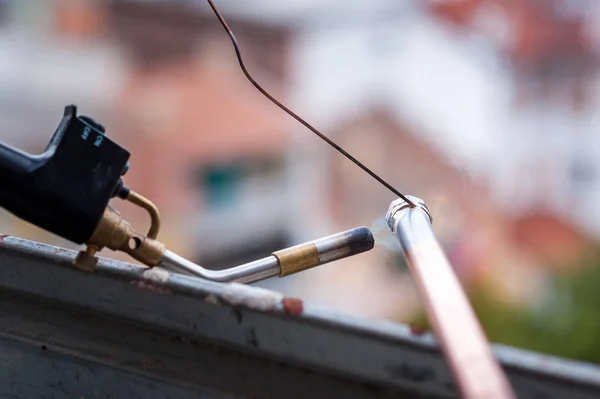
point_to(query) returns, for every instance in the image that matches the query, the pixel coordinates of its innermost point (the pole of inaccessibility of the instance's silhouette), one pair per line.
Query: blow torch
(66, 190)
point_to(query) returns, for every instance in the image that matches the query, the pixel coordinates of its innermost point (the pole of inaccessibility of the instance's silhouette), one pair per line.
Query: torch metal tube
(463, 341)
(246, 273)
(281, 263)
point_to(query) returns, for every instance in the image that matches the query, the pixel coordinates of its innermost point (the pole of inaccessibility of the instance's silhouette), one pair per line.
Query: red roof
(206, 112)
(458, 12)
(550, 239)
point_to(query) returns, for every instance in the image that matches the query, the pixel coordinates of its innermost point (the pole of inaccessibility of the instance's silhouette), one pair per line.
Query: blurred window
(4, 10)
(582, 175)
(226, 184)
(221, 184)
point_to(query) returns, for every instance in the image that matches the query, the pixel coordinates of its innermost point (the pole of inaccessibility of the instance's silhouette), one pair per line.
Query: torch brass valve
(115, 233)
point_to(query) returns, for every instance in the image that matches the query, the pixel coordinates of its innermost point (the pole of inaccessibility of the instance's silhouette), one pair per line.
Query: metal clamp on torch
(467, 350)
(66, 191)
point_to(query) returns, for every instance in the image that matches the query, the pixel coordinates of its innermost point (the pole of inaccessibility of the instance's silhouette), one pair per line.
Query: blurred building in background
(487, 109)
(548, 148)
(206, 146)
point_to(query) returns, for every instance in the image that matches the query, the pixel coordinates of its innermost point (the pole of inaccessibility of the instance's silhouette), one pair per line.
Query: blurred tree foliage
(564, 322)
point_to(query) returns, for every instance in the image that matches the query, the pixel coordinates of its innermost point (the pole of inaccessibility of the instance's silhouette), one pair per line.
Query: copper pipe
(465, 346)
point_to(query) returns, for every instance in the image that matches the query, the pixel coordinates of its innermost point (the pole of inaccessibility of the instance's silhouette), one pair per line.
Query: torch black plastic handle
(66, 189)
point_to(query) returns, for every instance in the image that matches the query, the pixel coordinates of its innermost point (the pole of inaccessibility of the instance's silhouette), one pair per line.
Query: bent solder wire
(238, 54)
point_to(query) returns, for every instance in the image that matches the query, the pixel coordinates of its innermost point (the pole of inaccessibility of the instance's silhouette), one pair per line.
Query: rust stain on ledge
(153, 280)
(417, 330)
(152, 287)
(293, 306)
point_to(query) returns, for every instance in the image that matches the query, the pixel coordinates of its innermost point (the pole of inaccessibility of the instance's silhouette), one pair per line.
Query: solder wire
(293, 114)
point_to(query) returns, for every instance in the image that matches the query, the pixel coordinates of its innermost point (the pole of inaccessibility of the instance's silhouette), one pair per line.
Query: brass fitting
(324, 250)
(117, 234)
(298, 258)
(86, 260)
(152, 210)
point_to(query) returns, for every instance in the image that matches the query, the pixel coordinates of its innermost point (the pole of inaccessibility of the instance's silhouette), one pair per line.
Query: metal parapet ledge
(128, 330)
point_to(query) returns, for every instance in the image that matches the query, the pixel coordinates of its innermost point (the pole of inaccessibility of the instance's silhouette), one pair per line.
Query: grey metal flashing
(314, 350)
(53, 352)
